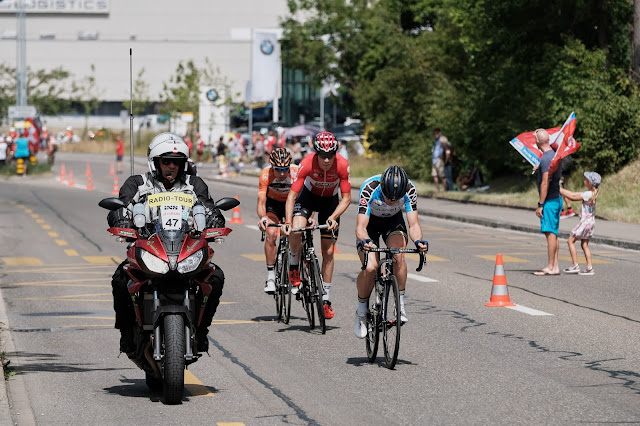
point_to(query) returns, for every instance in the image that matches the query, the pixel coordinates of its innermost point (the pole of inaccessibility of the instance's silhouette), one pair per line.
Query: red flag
(565, 142)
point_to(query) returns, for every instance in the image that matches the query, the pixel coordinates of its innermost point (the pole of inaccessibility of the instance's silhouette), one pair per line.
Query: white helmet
(170, 145)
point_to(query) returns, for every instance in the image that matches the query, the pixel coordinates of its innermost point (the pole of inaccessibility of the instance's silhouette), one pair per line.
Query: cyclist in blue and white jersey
(382, 198)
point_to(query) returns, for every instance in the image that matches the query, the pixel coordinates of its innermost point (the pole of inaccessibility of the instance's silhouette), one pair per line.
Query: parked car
(346, 133)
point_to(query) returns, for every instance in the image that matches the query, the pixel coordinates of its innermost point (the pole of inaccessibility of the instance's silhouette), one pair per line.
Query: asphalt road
(567, 355)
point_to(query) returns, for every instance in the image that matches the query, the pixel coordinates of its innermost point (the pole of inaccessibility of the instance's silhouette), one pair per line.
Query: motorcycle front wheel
(173, 366)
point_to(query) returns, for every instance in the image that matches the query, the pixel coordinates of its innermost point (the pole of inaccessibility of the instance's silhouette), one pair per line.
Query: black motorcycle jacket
(136, 189)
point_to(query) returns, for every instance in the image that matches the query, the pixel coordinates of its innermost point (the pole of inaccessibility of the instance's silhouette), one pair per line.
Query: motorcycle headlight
(154, 263)
(190, 263)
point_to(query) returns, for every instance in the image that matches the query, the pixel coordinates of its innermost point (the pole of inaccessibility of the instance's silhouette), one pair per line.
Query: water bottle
(199, 217)
(139, 217)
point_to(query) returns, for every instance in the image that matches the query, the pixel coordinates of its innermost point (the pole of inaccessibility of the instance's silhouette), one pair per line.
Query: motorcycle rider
(167, 157)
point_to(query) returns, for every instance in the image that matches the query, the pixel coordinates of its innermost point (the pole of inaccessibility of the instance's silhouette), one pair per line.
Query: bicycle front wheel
(373, 326)
(285, 290)
(317, 291)
(277, 295)
(307, 300)
(391, 322)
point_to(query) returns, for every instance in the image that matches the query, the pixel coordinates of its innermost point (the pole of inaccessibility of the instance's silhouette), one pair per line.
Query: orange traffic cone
(236, 215)
(63, 178)
(87, 172)
(71, 182)
(499, 290)
(112, 170)
(116, 189)
(335, 249)
(90, 183)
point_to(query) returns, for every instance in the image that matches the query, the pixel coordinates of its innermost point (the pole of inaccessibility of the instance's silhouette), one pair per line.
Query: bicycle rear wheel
(277, 295)
(307, 300)
(317, 291)
(391, 322)
(373, 326)
(285, 290)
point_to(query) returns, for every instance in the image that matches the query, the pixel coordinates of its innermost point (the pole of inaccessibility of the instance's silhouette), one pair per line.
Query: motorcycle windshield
(172, 226)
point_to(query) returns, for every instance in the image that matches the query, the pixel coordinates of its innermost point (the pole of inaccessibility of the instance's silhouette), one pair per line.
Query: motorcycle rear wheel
(173, 366)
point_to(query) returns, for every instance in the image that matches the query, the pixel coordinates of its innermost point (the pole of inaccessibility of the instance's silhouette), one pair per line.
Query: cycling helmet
(326, 142)
(394, 183)
(168, 145)
(280, 157)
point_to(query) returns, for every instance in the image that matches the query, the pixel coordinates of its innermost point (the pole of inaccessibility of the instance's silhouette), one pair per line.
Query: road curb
(22, 407)
(631, 245)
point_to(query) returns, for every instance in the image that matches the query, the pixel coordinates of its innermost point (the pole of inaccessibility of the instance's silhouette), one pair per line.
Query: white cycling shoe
(270, 287)
(360, 326)
(403, 315)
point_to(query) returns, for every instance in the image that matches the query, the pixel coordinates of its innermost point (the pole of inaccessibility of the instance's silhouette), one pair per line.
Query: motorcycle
(169, 264)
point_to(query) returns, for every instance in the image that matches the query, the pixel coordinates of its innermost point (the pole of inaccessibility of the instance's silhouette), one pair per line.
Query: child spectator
(584, 229)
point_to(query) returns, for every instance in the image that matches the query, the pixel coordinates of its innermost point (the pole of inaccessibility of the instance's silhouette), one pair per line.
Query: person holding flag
(549, 202)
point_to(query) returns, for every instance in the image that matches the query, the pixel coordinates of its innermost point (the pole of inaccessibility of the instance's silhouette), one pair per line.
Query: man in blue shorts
(549, 202)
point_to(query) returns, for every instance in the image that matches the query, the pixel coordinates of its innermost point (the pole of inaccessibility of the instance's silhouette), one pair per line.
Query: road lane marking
(529, 311)
(86, 317)
(40, 221)
(35, 215)
(46, 226)
(68, 296)
(506, 258)
(27, 210)
(103, 260)
(583, 260)
(194, 386)
(53, 234)
(22, 261)
(230, 424)
(421, 278)
(65, 283)
(71, 252)
(229, 322)
(110, 300)
(61, 243)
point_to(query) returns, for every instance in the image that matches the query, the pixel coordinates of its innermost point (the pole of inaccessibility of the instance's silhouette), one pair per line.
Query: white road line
(526, 310)
(421, 278)
(253, 227)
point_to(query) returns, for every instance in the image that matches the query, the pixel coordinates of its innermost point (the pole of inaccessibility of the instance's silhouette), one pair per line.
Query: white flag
(266, 66)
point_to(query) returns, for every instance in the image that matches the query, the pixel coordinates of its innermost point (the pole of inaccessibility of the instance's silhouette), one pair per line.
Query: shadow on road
(362, 361)
(48, 363)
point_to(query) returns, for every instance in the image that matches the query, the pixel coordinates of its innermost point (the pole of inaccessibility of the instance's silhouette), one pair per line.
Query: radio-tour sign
(56, 6)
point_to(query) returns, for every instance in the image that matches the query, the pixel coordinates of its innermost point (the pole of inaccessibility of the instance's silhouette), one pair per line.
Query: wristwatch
(540, 204)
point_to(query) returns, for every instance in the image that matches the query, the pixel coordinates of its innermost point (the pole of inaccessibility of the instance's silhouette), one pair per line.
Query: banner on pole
(266, 66)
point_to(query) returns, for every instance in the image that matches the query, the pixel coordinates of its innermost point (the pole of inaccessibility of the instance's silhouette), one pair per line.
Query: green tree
(140, 95)
(87, 93)
(181, 93)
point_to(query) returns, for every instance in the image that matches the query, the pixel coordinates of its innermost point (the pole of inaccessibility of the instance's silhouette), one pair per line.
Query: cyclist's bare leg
(364, 282)
(327, 247)
(270, 242)
(400, 265)
(295, 239)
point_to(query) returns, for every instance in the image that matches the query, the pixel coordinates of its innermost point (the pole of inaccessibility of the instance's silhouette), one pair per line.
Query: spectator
(448, 162)
(200, 149)
(22, 149)
(119, 153)
(437, 163)
(472, 178)
(258, 150)
(187, 140)
(296, 150)
(271, 141)
(3, 151)
(549, 202)
(565, 164)
(342, 149)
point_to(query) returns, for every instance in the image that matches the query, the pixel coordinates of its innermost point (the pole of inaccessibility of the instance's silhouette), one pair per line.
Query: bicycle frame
(282, 295)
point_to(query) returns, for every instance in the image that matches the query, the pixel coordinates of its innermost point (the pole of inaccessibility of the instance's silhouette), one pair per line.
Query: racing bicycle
(383, 314)
(311, 290)
(282, 295)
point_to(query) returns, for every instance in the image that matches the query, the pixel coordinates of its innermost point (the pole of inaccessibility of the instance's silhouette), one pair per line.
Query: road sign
(17, 111)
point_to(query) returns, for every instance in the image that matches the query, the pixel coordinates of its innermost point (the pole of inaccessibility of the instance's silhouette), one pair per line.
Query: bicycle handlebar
(423, 259)
(309, 228)
(271, 225)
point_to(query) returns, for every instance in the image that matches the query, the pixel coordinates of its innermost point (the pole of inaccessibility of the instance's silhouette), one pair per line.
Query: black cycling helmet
(394, 183)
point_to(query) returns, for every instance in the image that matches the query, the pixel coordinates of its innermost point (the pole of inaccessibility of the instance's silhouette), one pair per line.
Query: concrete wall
(165, 32)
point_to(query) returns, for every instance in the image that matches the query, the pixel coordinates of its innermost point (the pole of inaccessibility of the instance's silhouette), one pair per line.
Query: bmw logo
(266, 47)
(212, 95)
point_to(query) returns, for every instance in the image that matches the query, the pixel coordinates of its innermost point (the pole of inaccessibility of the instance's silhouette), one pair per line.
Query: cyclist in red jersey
(321, 176)
(274, 186)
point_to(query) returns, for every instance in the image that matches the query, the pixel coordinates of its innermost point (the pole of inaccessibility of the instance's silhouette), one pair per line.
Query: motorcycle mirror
(111, 203)
(227, 203)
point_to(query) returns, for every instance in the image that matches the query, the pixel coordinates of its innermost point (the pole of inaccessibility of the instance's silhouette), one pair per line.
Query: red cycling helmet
(325, 142)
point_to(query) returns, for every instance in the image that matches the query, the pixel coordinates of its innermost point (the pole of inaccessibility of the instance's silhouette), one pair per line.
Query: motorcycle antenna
(131, 105)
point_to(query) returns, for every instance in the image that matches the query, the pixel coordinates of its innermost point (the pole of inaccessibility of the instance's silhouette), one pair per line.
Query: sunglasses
(167, 161)
(281, 169)
(326, 156)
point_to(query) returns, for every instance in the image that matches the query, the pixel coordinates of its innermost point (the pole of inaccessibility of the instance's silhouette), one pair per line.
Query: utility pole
(21, 55)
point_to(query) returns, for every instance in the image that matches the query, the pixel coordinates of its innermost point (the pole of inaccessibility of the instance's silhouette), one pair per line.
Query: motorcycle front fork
(157, 343)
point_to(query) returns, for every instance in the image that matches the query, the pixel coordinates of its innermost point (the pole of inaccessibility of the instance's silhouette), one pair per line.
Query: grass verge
(37, 169)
